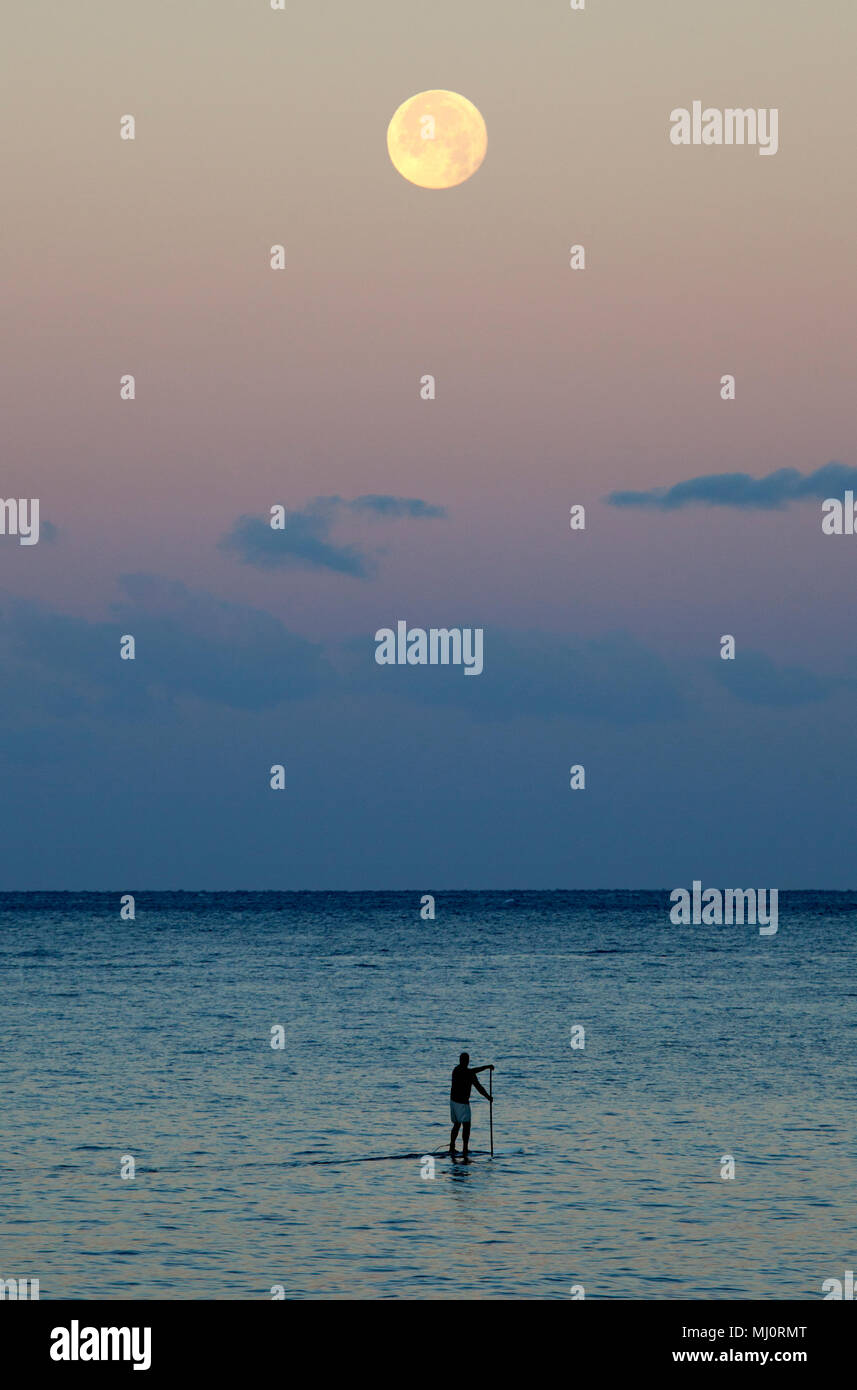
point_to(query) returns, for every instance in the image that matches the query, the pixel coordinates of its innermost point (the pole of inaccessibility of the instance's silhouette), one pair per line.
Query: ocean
(150, 1040)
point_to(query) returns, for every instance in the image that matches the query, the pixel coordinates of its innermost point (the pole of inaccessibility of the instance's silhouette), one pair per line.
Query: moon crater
(437, 139)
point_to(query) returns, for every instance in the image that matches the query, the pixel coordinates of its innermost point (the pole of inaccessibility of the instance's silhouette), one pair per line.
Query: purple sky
(553, 388)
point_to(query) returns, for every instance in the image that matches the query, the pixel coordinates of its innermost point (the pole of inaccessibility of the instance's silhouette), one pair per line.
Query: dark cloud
(300, 544)
(225, 654)
(379, 504)
(614, 679)
(303, 541)
(739, 490)
(187, 644)
(756, 679)
(192, 644)
(536, 675)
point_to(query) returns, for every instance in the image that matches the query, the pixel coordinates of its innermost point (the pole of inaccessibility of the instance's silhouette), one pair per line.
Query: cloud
(187, 644)
(756, 679)
(613, 679)
(536, 675)
(381, 505)
(303, 540)
(300, 544)
(771, 493)
(193, 645)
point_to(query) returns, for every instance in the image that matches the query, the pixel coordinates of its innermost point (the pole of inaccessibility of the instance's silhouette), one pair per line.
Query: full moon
(437, 139)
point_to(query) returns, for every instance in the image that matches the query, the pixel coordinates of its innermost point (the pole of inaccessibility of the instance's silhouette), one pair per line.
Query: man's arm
(480, 1089)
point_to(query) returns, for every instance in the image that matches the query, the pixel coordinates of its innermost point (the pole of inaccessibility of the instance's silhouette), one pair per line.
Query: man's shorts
(459, 1112)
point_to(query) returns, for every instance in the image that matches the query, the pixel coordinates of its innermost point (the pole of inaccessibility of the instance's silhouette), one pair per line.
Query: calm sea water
(153, 1039)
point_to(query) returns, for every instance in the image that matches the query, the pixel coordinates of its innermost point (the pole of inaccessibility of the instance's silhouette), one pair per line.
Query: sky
(301, 388)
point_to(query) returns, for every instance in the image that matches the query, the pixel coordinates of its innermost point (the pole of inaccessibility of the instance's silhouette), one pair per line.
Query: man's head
(464, 1058)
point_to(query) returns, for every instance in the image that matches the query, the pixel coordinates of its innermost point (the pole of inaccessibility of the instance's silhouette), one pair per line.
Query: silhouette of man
(463, 1077)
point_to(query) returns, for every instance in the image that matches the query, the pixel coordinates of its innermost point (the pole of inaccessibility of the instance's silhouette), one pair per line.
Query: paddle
(491, 1106)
